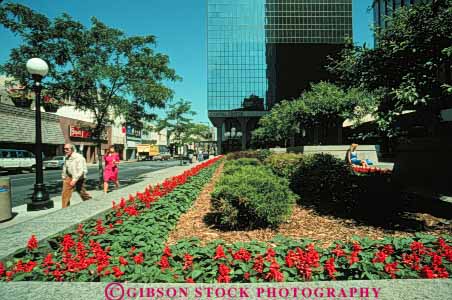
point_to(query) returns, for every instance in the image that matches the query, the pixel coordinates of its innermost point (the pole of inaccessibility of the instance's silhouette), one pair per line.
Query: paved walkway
(45, 223)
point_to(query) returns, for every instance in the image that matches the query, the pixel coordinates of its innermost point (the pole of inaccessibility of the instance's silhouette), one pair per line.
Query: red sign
(79, 132)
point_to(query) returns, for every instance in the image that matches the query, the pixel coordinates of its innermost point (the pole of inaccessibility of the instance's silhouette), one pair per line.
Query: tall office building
(383, 8)
(263, 51)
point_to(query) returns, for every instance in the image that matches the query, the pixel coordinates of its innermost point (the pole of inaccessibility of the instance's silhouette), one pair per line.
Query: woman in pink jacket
(111, 168)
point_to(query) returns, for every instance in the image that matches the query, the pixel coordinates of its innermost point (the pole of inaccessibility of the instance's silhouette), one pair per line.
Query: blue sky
(180, 28)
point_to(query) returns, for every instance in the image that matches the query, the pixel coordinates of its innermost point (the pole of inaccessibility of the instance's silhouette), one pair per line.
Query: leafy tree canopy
(99, 68)
(178, 122)
(323, 105)
(410, 66)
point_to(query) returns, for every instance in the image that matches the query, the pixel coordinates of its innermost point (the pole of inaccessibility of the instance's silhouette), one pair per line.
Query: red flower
(100, 229)
(330, 268)
(188, 261)
(418, 247)
(258, 265)
(164, 263)
(391, 268)
(388, 249)
(167, 252)
(32, 243)
(427, 272)
(131, 211)
(219, 253)
(246, 276)
(270, 254)
(67, 243)
(242, 254)
(274, 273)
(47, 262)
(380, 257)
(139, 259)
(2, 269)
(224, 274)
(123, 261)
(338, 251)
(189, 280)
(353, 258)
(117, 272)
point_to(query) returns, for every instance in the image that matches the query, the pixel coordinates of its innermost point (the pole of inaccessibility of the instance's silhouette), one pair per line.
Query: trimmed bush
(233, 165)
(324, 179)
(284, 164)
(252, 197)
(258, 154)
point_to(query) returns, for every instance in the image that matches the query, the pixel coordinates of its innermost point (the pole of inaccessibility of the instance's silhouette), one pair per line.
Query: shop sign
(79, 132)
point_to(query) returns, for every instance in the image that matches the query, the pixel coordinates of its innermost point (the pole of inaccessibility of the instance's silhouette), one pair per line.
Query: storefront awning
(17, 125)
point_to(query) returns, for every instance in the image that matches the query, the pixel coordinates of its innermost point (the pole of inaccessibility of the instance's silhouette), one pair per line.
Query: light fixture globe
(239, 134)
(36, 66)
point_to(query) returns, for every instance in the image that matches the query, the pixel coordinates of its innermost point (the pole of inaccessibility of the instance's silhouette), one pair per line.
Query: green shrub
(233, 165)
(252, 197)
(260, 154)
(284, 164)
(324, 179)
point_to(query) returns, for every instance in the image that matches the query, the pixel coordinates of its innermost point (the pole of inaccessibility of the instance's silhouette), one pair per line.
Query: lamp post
(40, 198)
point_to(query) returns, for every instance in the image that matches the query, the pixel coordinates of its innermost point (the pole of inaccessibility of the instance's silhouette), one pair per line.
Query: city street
(22, 184)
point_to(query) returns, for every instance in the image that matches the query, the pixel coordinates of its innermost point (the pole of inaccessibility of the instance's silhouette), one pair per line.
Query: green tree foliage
(98, 67)
(178, 123)
(411, 65)
(323, 105)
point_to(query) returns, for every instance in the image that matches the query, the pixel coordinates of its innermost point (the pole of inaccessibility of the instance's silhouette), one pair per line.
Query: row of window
(16, 154)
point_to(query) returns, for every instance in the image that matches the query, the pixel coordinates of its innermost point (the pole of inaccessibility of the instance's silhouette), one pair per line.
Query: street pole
(40, 198)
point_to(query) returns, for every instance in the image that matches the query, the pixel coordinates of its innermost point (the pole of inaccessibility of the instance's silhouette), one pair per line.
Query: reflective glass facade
(382, 8)
(308, 21)
(246, 41)
(236, 52)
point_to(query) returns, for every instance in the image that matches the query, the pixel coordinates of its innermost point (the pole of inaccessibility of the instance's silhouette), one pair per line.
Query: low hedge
(284, 164)
(325, 180)
(252, 196)
(260, 154)
(232, 166)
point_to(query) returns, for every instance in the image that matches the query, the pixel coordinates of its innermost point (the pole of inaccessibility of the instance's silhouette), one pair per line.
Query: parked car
(17, 160)
(56, 162)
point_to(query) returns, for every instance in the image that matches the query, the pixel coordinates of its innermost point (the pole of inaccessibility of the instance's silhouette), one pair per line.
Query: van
(17, 160)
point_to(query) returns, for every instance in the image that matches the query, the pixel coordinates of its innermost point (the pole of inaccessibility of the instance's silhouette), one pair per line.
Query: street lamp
(40, 198)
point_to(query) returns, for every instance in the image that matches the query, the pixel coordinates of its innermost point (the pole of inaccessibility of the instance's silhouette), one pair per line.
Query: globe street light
(40, 198)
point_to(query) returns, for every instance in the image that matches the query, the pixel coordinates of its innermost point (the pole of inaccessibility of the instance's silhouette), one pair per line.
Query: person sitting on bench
(352, 157)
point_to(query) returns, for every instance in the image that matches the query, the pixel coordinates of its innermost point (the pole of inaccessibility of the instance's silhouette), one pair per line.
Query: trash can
(5, 199)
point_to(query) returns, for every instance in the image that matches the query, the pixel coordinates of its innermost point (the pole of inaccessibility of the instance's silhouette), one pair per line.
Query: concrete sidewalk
(45, 223)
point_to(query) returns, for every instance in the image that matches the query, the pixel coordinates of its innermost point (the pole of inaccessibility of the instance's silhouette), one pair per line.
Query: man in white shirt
(74, 174)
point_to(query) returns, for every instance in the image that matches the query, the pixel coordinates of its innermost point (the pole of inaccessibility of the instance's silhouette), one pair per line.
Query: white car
(56, 162)
(17, 160)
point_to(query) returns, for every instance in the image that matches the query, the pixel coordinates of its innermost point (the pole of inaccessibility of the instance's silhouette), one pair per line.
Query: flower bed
(133, 232)
(129, 245)
(370, 170)
(292, 261)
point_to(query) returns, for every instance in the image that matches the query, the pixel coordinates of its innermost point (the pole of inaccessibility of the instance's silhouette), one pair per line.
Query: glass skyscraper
(383, 8)
(263, 51)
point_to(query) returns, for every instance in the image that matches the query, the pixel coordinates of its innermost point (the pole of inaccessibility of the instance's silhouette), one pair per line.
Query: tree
(99, 68)
(282, 123)
(177, 122)
(325, 104)
(411, 65)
